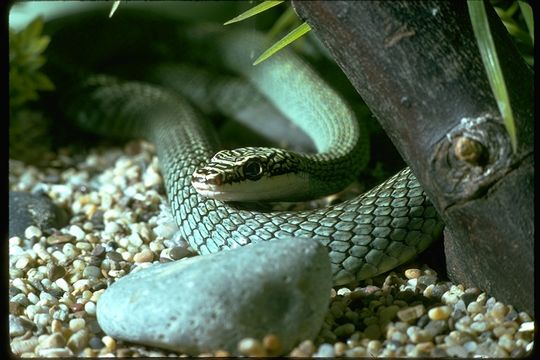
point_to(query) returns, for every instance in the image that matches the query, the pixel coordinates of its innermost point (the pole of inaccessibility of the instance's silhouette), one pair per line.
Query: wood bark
(417, 66)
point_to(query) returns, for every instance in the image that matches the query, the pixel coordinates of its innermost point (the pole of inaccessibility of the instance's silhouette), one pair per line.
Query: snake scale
(365, 236)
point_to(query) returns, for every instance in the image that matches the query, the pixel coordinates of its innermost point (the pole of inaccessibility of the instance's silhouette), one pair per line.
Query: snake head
(247, 174)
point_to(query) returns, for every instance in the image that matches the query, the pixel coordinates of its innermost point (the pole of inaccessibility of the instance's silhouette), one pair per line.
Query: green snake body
(364, 236)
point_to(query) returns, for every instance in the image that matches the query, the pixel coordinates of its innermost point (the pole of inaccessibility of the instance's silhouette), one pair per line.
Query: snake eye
(252, 170)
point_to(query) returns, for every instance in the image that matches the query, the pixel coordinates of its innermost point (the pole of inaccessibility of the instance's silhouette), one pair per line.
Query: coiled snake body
(365, 236)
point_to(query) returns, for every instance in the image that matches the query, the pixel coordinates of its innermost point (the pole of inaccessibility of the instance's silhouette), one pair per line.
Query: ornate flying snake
(365, 236)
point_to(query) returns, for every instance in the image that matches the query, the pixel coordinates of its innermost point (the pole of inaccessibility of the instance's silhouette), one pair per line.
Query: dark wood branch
(417, 66)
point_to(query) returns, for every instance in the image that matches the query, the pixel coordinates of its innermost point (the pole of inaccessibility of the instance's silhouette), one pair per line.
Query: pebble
(18, 326)
(251, 347)
(32, 232)
(372, 331)
(76, 324)
(90, 308)
(144, 256)
(77, 232)
(526, 326)
(55, 272)
(412, 273)
(55, 340)
(110, 343)
(32, 212)
(56, 301)
(272, 344)
(411, 313)
(325, 350)
(56, 352)
(78, 341)
(265, 299)
(92, 272)
(439, 313)
(114, 256)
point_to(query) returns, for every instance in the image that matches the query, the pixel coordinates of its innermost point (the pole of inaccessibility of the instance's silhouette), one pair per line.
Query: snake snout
(207, 179)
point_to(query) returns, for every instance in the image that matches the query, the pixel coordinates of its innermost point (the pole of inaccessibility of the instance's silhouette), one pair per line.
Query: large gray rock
(27, 209)
(211, 302)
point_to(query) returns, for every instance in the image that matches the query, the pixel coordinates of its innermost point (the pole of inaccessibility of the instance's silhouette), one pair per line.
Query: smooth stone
(27, 209)
(211, 302)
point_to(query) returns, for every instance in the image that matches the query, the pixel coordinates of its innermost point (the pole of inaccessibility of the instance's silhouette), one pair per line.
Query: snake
(210, 189)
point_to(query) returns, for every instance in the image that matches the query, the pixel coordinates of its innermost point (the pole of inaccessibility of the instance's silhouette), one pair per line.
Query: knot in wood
(470, 158)
(470, 151)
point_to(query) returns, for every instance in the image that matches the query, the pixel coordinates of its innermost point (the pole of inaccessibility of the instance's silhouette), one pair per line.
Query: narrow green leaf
(526, 10)
(482, 32)
(265, 5)
(286, 40)
(114, 7)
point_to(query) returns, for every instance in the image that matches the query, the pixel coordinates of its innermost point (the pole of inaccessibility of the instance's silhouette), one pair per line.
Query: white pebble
(22, 263)
(80, 284)
(62, 284)
(32, 231)
(526, 326)
(344, 291)
(77, 232)
(112, 228)
(42, 320)
(60, 257)
(15, 241)
(76, 324)
(135, 240)
(90, 308)
(32, 298)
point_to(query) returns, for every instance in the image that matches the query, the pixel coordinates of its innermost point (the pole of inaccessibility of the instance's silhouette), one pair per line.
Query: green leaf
(265, 5)
(42, 82)
(286, 40)
(113, 8)
(482, 32)
(526, 10)
(33, 29)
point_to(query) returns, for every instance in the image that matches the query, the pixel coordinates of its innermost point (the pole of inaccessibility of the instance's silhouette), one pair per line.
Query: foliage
(486, 45)
(292, 36)
(25, 59)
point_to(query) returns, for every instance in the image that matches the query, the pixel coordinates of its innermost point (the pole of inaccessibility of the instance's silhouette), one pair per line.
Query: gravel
(120, 222)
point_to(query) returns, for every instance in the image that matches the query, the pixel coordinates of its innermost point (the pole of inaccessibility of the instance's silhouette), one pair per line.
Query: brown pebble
(144, 256)
(59, 239)
(99, 251)
(78, 341)
(114, 256)
(77, 307)
(15, 308)
(55, 340)
(55, 272)
(179, 252)
(272, 344)
(411, 313)
(340, 348)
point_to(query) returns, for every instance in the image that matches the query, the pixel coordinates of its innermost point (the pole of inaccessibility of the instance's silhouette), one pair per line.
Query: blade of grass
(114, 7)
(265, 5)
(286, 40)
(526, 10)
(482, 32)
